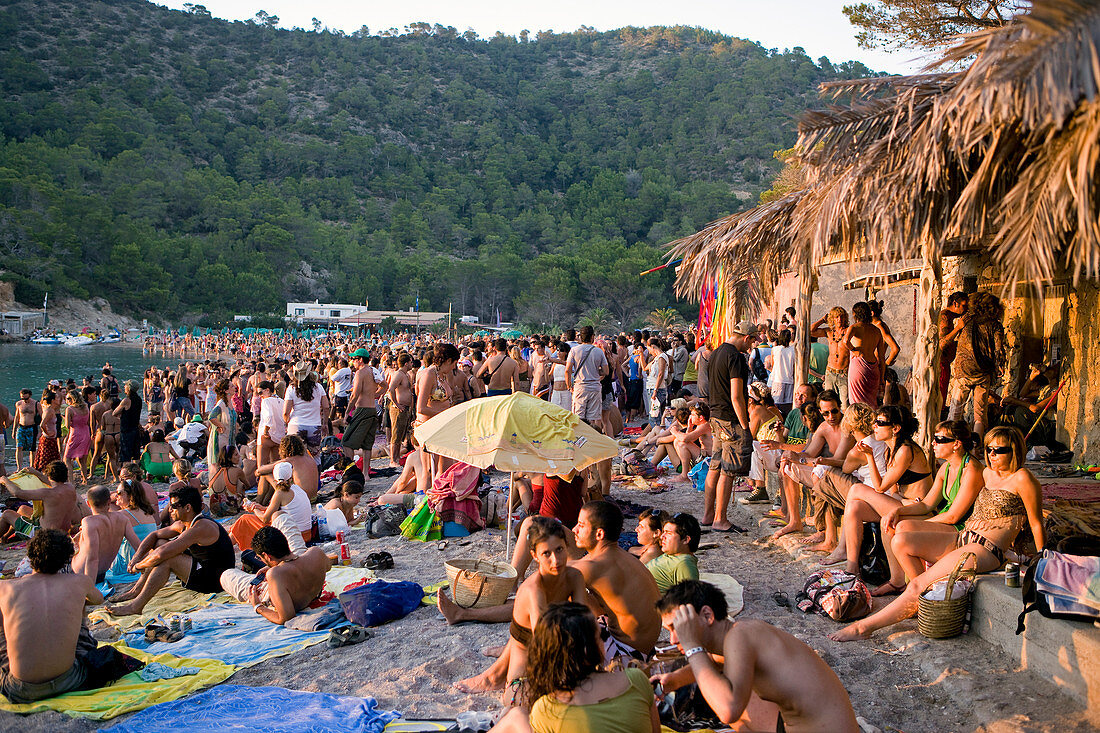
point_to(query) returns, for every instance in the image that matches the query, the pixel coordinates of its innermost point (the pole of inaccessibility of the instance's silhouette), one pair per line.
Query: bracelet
(694, 650)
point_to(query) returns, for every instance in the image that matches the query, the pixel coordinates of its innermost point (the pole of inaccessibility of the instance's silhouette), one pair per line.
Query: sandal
(348, 635)
(781, 599)
(156, 632)
(379, 561)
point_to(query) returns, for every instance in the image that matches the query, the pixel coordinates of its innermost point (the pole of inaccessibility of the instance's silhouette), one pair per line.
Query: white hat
(179, 422)
(283, 471)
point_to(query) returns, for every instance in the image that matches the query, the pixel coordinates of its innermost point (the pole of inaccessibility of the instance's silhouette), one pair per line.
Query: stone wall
(1079, 401)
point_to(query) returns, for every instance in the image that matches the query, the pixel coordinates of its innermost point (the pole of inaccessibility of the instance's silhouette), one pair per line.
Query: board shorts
(361, 430)
(25, 527)
(732, 448)
(24, 437)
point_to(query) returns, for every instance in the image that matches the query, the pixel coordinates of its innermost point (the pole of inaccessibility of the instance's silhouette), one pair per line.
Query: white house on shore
(323, 313)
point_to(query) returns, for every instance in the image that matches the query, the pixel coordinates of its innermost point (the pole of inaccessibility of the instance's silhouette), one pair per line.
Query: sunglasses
(942, 439)
(998, 450)
(830, 412)
(884, 423)
(174, 505)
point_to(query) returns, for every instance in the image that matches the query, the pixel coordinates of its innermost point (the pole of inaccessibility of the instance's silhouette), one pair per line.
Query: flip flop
(379, 561)
(348, 635)
(781, 599)
(731, 528)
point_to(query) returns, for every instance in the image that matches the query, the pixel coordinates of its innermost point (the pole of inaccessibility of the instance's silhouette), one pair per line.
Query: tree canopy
(926, 24)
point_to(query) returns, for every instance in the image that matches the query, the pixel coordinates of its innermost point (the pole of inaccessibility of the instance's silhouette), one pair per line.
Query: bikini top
(439, 393)
(997, 509)
(911, 477)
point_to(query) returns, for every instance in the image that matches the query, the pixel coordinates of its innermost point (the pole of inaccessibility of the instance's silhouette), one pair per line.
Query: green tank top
(950, 488)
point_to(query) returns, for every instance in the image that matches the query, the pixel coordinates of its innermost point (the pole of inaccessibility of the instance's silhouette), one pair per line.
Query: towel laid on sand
(172, 598)
(130, 693)
(250, 640)
(268, 709)
(734, 592)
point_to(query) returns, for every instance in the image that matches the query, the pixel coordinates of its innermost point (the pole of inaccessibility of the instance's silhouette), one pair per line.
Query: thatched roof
(1004, 155)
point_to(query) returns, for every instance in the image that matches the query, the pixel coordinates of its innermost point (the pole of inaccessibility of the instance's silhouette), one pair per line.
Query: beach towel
(269, 709)
(130, 693)
(863, 381)
(454, 498)
(734, 592)
(339, 578)
(250, 640)
(172, 598)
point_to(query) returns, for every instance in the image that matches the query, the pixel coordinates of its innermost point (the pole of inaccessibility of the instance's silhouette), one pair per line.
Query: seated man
(59, 499)
(101, 534)
(679, 541)
(193, 547)
(764, 459)
(769, 679)
(40, 619)
(287, 584)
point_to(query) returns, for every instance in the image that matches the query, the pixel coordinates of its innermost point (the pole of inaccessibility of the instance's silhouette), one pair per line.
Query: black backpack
(1036, 601)
(756, 364)
(874, 568)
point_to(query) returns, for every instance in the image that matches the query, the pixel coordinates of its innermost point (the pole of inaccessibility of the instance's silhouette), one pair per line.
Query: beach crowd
(271, 413)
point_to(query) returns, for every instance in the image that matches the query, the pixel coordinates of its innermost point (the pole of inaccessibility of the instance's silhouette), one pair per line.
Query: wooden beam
(926, 348)
(802, 315)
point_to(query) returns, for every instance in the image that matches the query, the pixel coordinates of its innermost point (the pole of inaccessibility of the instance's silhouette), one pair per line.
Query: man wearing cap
(362, 409)
(728, 376)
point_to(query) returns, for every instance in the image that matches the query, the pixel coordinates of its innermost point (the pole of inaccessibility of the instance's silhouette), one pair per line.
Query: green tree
(927, 24)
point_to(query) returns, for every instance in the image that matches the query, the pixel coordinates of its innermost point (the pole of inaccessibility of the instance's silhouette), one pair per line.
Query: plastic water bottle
(322, 522)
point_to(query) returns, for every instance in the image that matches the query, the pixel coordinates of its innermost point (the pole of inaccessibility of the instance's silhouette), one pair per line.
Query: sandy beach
(898, 681)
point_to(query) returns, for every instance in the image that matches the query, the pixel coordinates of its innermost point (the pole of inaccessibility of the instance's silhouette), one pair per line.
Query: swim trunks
(615, 649)
(25, 527)
(24, 437)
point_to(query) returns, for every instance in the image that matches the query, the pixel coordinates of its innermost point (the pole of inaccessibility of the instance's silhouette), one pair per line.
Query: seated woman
(1010, 502)
(700, 427)
(131, 470)
(650, 524)
(226, 483)
(915, 533)
(156, 459)
(908, 479)
(553, 582)
(346, 500)
(567, 689)
(130, 498)
(679, 541)
(673, 444)
(288, 511)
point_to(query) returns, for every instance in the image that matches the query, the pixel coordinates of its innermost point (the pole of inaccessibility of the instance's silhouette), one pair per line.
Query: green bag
(423, 525)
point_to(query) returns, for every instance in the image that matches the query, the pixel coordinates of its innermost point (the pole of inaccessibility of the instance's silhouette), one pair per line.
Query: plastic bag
(380, 602)
(423, 525)
(698, 473)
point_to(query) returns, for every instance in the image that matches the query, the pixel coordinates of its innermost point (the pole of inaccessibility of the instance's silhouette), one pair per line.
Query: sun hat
(301, 370)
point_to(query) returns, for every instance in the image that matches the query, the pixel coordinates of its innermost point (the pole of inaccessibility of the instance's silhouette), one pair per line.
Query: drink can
(340, 536)
(1012, 575)
(345, 554)
(174, 623)
(185, 625)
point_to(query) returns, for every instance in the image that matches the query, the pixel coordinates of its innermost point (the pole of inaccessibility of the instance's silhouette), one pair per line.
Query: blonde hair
(837, 318)
(1015, 438)
(182, 468)
(858, 416)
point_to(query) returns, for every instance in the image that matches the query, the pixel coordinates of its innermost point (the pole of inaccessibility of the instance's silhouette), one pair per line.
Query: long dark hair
(304, 388)
(136, 492)
(563, 651)
(899, 416)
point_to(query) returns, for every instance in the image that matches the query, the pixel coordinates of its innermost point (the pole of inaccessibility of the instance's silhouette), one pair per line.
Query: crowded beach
(211, 488)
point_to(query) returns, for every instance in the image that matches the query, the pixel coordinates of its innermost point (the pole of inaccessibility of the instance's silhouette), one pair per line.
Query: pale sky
(818, 26)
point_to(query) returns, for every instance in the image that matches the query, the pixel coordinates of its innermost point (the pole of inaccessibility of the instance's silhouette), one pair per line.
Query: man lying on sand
(288, 583)
(769, 680)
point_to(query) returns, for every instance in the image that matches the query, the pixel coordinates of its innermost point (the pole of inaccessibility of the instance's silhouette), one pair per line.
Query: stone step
(1065, 652)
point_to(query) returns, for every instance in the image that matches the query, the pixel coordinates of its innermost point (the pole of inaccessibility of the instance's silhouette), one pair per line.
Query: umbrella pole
(508, 505)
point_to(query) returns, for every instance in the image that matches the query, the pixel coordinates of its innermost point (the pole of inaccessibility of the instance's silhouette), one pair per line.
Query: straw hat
(301, 370)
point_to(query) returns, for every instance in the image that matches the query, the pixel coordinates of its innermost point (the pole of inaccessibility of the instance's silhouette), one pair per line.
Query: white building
(323, 313)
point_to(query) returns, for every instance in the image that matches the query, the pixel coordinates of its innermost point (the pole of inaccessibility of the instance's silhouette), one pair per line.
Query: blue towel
(249, 641)
(260, 709)
(328, 616)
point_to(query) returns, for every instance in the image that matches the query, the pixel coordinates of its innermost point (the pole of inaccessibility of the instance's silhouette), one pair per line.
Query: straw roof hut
(1000, 157)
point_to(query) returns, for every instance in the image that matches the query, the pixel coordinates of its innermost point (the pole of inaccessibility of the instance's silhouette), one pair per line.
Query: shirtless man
(5, 420)
(101, 534)
(400, 408)
(769, 680)
(41, 616)
(106, 427)
(288, 583)
(828, 446)
(292, 449)
(59, 503)
(868, 356)
(501, 369)
(23, 430)
(836, 373)
(362, 408)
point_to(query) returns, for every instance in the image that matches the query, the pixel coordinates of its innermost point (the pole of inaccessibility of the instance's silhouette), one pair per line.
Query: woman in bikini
(1010, 502)
(227, 483)
(907, 481)
(916, 533)
(434, 395)
(106, 440)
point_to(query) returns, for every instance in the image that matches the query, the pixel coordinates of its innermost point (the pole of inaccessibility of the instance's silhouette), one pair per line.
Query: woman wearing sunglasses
(907, 480)
(1011, 500)
(927, 530)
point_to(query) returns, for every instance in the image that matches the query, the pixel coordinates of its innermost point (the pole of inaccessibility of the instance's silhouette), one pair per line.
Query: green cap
(196, 418)
(361, 353)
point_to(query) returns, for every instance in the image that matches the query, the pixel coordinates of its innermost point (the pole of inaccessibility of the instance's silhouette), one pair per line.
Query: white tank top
(559, 372)
(299, 509)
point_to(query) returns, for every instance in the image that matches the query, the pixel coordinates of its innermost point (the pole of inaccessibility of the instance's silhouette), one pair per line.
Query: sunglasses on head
(998, 450)
(942, 439)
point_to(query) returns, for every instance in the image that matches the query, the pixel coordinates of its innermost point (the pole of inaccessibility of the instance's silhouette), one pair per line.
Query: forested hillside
(176, 163)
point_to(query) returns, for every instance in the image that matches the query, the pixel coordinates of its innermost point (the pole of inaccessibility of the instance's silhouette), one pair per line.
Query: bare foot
(790, 528)
(823, 547)
(492, 651)
(832, 560)
(816, 537)
(125, 609)
(481, 683)
(850, 633)
(887, 589)
(450, 610)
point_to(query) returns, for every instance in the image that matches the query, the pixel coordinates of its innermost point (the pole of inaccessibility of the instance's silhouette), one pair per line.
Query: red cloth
(453, 496)
(562, 499)
(863, 381)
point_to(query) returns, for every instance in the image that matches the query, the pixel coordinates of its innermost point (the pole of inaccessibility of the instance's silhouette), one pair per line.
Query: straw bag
(942, 619)
(480, 583)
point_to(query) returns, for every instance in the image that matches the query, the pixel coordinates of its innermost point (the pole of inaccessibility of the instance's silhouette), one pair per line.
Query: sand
(898, 680)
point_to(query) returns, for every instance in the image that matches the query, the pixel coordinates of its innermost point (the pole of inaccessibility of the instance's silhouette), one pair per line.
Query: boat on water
(48, 340)
(80, 340)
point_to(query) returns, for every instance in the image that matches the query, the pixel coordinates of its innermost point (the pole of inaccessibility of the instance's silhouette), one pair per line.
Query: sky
(818, 26)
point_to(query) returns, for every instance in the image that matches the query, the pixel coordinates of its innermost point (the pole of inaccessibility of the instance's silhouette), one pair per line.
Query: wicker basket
(480, 583)
(946, 618)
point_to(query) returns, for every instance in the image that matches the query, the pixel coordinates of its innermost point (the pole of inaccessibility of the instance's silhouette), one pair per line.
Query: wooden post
(925, 380)
(802, 314)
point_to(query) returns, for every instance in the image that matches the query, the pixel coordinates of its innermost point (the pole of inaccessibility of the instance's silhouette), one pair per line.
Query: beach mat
(130, 694)
(172, 598)
(1087, 492)
(268, 709)
(734, 592)
(250, 640)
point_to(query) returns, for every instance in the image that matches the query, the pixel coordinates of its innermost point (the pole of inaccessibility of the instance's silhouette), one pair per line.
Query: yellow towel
(130, 693)
(172, 598)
